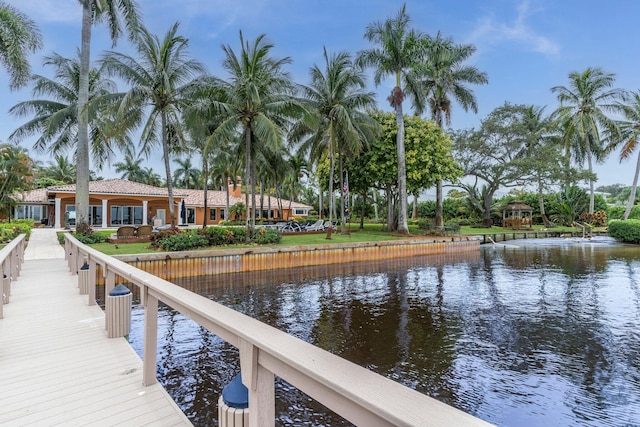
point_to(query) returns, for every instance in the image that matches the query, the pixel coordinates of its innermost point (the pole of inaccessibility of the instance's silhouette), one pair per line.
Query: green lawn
(371, 233)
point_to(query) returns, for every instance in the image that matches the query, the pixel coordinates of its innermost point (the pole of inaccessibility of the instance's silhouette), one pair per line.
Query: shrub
(159, 237)
(625, 231)
(11, 230)
(616, 212)
(184, 241)
(264, 236)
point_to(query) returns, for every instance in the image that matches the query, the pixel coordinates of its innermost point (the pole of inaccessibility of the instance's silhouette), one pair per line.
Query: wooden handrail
(355, 393)
(11, 258)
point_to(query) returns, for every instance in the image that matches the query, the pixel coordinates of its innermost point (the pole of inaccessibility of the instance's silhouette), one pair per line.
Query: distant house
(116, 202)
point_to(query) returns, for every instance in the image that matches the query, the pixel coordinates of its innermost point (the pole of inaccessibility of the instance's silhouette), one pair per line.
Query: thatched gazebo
(517, 215)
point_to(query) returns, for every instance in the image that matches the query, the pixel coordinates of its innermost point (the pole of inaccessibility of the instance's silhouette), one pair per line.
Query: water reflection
(535, 334)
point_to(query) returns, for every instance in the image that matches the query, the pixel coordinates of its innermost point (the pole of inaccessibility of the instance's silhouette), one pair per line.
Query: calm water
(533, 333)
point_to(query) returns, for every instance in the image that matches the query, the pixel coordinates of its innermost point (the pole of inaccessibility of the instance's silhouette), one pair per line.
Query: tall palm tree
(260, 101)
(400, 50)
(149, 177)
(54, 108)
(113, 12)
(582, 116)
(19, 36)
(445, 79)
(186, 173)
(628, 142)
(130, 168)
(61, 169)
(337, 101)
(159, 80)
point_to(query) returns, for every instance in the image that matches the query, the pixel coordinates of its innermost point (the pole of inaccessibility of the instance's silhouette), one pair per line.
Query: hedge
(625, 231)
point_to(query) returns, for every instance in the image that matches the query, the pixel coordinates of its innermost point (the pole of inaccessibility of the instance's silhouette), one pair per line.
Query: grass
(370, 233)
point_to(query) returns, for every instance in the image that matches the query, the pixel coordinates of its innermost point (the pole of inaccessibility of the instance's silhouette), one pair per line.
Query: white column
(58, 213)
(145, 211)
(104, 213)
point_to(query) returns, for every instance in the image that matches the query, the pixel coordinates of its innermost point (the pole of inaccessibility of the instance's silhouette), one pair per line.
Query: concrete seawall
(174, 265)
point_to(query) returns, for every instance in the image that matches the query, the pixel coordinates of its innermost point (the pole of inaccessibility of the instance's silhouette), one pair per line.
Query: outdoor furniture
(126, 231)
(317, 226)
(144, 231)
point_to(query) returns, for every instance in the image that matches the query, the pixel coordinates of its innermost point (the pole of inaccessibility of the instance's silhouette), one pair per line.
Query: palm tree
(188, 175)
(16, 169)
(337, 100)
(445, 77)
(113, 12)
(55, 115)
(130, 169)
(19, 35)
(582, 115)
(260, 101)
(61, 169)
(399, 52)
(159, 80)
(629, 133)
(149, 177)
(226, 167)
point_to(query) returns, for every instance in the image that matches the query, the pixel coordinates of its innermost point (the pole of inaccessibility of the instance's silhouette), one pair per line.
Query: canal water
(530, 333)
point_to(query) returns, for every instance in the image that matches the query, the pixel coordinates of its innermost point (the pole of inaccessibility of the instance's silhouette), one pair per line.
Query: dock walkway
(57, 366)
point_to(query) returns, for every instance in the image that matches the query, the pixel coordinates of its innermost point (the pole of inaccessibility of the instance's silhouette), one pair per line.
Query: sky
(525, 46)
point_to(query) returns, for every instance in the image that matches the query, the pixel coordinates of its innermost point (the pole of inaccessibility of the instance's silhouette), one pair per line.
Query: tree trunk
(82, 150)
(342, 197)
(439, 204)
(253, 192)
(391, 219)
(486, 221)
(167, 168)
(205, 188)
(403, 228)
(632, 196)
(375, 205)
(331, 199)
(364, 208)
(592, 194)
(247, 180)
(414, 213)
(543, 213)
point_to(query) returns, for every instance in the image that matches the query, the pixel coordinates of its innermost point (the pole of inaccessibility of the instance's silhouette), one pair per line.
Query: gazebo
(517, 215)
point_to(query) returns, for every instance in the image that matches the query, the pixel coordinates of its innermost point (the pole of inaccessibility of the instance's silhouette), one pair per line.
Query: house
(116, 202)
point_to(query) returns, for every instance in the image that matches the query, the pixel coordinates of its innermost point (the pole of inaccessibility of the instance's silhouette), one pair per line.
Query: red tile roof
(195, 198)
(118, 186)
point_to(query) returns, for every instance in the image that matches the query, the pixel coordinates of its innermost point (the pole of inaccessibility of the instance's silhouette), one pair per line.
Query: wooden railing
(11, 258)
(355, 393)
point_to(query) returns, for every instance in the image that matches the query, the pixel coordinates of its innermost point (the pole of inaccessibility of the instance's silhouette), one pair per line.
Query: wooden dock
(57, 366)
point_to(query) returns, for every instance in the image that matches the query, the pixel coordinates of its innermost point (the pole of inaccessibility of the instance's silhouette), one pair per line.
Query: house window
(212, 214)
(126, 215)
(36, 213)
(191, 215)
(299, 211)
(222, 214)
(95, 215)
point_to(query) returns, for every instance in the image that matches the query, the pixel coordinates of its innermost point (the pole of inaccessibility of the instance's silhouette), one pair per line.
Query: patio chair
(144, 231)
(317, 226)
(126, 231)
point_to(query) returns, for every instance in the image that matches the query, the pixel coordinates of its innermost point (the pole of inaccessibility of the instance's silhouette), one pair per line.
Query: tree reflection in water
(544, 334)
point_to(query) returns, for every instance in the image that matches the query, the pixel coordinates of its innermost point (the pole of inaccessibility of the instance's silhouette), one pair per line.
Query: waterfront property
(355, 393)
(117, 202)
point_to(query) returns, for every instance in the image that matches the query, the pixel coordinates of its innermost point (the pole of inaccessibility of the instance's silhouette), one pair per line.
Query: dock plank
(57, 366)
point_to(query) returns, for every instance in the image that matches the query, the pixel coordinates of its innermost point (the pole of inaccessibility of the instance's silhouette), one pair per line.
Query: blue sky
(526, 47)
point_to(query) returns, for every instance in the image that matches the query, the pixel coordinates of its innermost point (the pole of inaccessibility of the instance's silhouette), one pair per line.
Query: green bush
(625, 231)
(616, 212)
(184, 241)
(11, 230)
(265, 236)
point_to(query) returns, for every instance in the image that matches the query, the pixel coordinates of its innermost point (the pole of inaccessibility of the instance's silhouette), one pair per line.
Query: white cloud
(490, 32)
